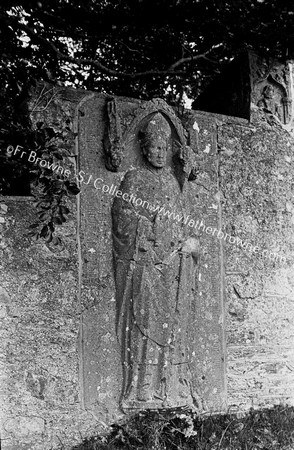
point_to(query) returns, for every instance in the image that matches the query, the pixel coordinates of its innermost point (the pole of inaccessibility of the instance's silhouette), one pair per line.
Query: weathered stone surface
(40, 317)
(256, 182)
(62, 366)
(102, 386)
(100, 368)
(22, 427)
(156, 267)
(39, 357)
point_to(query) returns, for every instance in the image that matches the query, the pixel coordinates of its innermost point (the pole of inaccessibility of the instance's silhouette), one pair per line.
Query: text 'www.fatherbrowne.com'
(198, 225)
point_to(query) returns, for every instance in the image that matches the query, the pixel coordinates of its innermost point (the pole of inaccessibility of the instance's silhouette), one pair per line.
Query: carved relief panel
(271, 86)
(156, 262)
(146, 261)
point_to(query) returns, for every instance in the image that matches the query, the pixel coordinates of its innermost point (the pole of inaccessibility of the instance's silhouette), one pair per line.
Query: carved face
(156, 152)
(268, 91)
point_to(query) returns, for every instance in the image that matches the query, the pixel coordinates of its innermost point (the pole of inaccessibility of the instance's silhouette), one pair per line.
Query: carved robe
(155, 285)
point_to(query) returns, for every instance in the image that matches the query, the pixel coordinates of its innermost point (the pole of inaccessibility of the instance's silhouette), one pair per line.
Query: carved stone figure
(156, 263)
(268, 101)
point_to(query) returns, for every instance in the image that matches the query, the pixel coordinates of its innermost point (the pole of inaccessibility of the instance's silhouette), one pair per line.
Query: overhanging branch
(191, 59)
(95, 62)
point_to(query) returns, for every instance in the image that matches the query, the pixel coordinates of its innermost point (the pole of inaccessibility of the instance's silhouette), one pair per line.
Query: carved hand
(191, 246)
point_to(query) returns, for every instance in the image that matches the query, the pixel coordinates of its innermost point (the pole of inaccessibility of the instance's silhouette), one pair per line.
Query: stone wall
(40, 396)
(257, 196)
(256, 167)
(41, 401)
(61, 361)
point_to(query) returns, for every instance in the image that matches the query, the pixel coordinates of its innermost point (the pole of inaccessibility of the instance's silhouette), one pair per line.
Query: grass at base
(265, 429)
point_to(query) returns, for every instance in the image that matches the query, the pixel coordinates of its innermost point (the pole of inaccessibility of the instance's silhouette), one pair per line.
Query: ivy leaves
(52, 184)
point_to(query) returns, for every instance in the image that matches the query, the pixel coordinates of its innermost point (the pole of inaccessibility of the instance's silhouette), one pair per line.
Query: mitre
(158, 126)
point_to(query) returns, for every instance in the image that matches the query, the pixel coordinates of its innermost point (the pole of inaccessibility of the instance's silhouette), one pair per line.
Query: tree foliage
(138, 47)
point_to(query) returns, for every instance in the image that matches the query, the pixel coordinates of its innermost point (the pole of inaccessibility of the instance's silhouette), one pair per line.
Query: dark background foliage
(137, 48)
